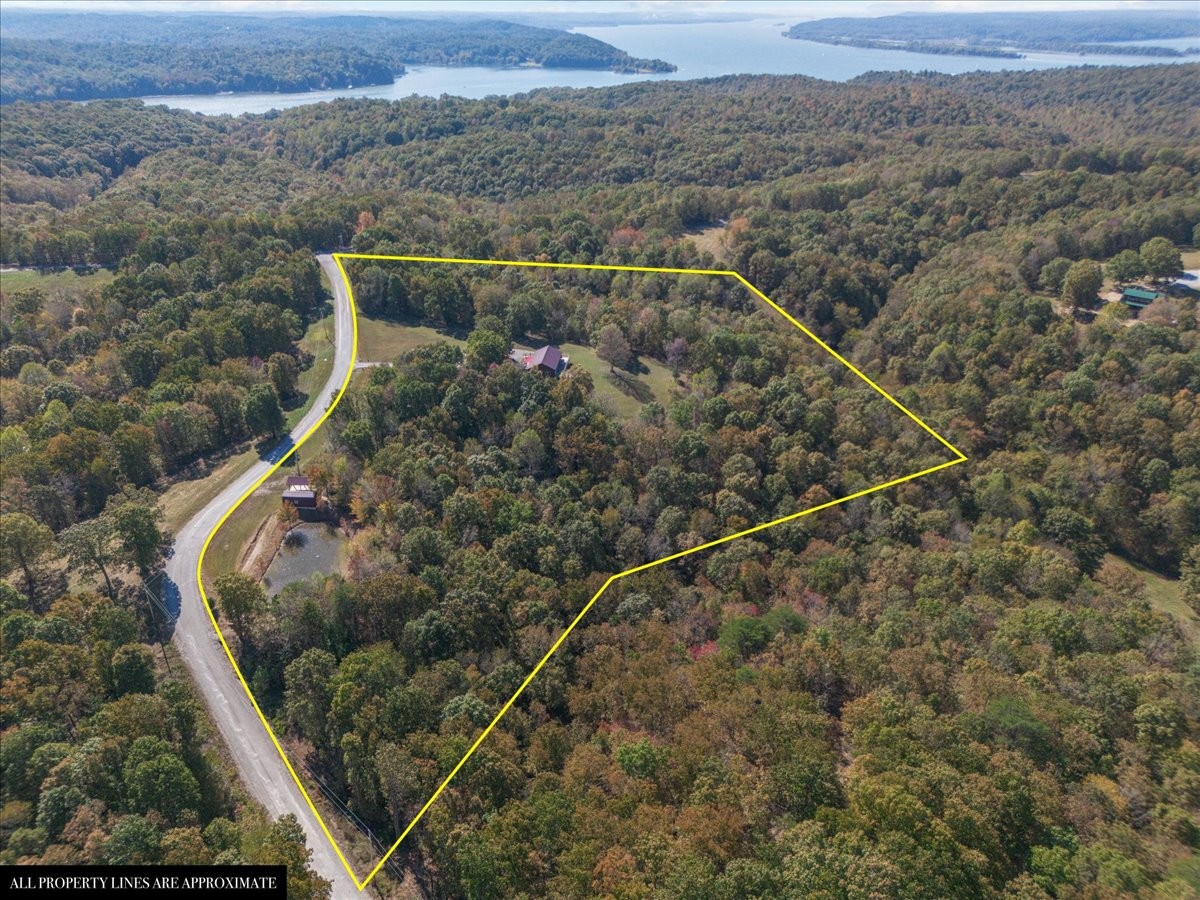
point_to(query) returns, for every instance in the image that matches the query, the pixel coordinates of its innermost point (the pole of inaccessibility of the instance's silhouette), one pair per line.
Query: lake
(700, 50)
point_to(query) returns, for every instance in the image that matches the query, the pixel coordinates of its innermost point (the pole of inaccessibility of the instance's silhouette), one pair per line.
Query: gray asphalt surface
(258, 762)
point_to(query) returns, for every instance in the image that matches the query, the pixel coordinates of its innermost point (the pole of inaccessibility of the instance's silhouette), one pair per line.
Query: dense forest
(86, 56)
(107, 756)
(981, 683)
(1002, 34)
(63, 70)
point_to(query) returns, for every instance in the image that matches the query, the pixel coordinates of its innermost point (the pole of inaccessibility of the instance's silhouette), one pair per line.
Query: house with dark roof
(548, 359)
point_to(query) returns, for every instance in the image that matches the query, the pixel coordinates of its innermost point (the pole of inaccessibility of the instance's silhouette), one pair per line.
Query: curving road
(259, 765)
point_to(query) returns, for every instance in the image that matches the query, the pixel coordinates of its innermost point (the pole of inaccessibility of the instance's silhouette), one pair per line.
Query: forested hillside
(981, 683)
(108, 758)
(86, 56)
(1096, 31)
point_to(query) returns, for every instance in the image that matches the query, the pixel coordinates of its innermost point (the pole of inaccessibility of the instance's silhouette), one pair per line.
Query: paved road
(258, 762)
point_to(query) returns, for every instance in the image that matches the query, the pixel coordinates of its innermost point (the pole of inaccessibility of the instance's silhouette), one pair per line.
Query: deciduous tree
(133, 670)
(283, 372)
(92, 546)
(262, 411)
(165, 785)
(1082, 283)
(137, 529)
(1162, 259)
(613, 347)
(23, 543)
(239, 598)
(1126, 266)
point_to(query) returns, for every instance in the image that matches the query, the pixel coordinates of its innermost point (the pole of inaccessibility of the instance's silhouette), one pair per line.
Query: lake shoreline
(698, 50)
(396, 79)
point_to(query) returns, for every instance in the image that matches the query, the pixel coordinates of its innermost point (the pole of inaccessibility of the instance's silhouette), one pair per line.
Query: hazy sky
(793, 9)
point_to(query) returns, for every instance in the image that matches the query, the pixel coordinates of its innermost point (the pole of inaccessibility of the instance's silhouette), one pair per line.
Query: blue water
(700, 50)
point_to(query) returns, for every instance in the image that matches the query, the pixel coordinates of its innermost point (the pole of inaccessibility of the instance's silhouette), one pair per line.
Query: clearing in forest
(587, 361)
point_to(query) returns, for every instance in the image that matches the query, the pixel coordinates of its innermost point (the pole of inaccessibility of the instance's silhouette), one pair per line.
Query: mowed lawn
(226, 548)
(318, 341)
(235, 534)
(49, 281)
(184, 499)
(381, 340)
(625, 392)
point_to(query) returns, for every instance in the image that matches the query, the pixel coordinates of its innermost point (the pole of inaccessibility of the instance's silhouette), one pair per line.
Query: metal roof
(548, 356)
(1139, 294)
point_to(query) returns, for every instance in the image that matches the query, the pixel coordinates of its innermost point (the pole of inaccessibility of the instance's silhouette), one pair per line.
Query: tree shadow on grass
(637, 367)
(630, 387)
(447, 329)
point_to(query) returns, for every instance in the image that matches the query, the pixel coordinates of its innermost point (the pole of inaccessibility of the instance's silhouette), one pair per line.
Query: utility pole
(155, 603)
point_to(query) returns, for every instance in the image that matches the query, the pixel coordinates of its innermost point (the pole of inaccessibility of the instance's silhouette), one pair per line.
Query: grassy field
(625, 393)
(320, 441)
(318, 341)
(184, 499)
(711, 239)
(382, 341)
(239, 529)
(49, 281)
(1191, 259)
(1166, 595)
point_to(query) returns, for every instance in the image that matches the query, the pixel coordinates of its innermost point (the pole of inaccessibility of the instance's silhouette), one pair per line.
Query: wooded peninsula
(88, 56)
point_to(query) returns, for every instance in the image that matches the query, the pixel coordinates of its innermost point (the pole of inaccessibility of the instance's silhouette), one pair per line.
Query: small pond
(311, 548)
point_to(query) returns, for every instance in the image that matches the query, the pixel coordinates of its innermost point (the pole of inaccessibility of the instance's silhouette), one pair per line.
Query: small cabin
(1138, 299)
(299, 493)
(548, 359)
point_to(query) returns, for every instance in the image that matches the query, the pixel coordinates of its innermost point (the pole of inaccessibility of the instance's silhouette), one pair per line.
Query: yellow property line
(959, 457)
